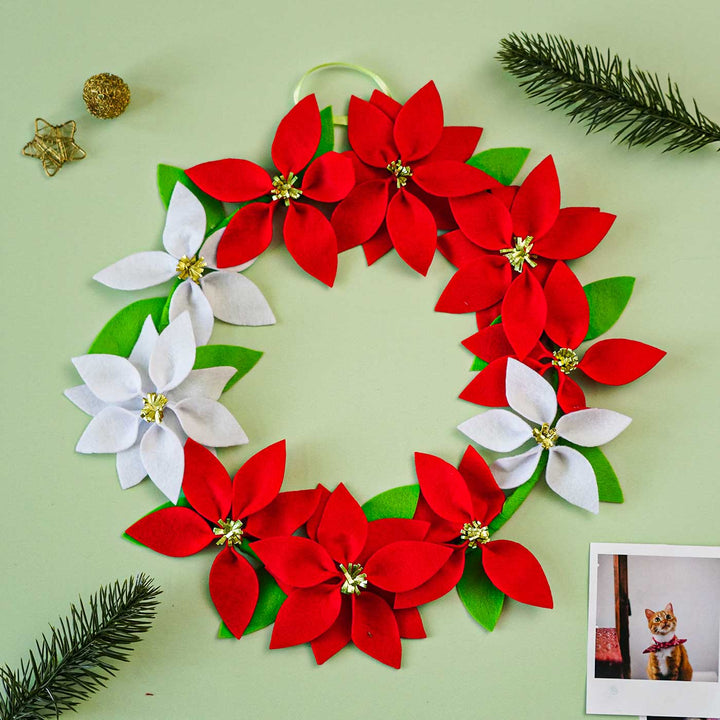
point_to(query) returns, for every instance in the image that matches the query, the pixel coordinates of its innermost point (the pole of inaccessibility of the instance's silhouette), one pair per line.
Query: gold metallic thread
(519, 254)
(401, 172)
(106, 95)
(475, 533)
(545, 436)
(54, 145)
(355, 579)
(230, 531)
(192, 268)
(283, 188)
(565, 360)
(152, 409)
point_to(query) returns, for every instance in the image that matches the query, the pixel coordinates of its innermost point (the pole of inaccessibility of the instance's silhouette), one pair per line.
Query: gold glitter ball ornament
(106, 95)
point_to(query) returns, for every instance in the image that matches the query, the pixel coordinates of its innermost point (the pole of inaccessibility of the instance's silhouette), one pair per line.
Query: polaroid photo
(654, 631)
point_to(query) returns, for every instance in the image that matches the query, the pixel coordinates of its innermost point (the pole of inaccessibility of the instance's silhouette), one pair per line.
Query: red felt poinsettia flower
(459, 504)
(519, 245)
(610, 362)
(309, 236)
(229, 512)
(341, 584)
(406, 164)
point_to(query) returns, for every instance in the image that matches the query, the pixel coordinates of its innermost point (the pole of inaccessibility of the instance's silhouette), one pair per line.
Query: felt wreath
(326, 570)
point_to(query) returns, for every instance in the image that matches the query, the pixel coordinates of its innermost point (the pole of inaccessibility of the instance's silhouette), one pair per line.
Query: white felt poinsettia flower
(145, 406)
(222, 293)
(568, 472)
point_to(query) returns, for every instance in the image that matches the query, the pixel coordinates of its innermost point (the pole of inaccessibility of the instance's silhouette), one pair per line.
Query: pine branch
(81, 653)
(598, 90)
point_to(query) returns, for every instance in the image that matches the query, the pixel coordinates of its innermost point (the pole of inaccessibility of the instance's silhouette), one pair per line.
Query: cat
(668, 657)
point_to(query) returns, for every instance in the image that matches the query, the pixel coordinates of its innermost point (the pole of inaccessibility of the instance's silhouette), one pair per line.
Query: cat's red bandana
(662, 645)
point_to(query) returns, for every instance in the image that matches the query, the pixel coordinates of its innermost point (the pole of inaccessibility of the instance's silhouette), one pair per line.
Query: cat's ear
(649, 613)
(669, 608)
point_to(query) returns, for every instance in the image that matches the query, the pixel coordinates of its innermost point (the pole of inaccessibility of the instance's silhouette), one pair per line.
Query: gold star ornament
(54, 145)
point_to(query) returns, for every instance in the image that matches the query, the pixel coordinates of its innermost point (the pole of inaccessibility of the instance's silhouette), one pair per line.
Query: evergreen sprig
(599, 90)
(81, 653)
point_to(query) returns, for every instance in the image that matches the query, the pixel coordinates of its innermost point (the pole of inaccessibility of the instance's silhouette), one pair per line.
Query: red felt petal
(438, 206)
(343, 528)
(305, 615)
(406, 564)
(359, 216)
(524, 312)
(484, 317)
(296, 561)
(234, 590)
(569, 394)
(329, 178)
(484, 220)
(370, 133)
(364, 172)
(457, 249)
(419, 124)
(284, 515)
(450, 178)
(337, 636)
(377, 246)
(488, 387)
(389, 530)
(206, 484)
(617, 362)
(476, 285)
(387, 104)
(312, 524)
(487, 498)
(576, 232)
(440, 530)
(444, 580)
(513, 569)
(456, 143)
(537, 202)
(568, 312)
(444, 488)
(410, 623)
(489, 344)
(257, 483)
(375, 630)
(412, 230)
(247, 235)
(297, 137)
(311, 241)
(231, 180)
(173, 531)
(505, 194)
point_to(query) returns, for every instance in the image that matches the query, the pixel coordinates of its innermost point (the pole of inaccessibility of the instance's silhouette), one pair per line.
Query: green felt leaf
(327, 132)
(242, 359)
(270, 598)
(478, 364)
(168, 176)
(399, 502)
(123, 329)
(501, 163)
(609, 489)
(607, 299)
(480, 597)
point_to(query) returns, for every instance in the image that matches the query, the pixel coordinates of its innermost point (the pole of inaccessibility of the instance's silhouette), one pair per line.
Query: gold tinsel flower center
(355, 579)
(475, 533)
(230, 531)
(152, 409)
(545, 436)
(283, 188)
(192, 268)
(565, 360)
(519, 254)
(401, 172)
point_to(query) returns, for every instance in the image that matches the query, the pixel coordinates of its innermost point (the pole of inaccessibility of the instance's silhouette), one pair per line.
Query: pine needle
(81, 653)
(598, 90)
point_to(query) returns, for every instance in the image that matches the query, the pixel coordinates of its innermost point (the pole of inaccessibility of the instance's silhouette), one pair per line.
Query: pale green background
(356, 378)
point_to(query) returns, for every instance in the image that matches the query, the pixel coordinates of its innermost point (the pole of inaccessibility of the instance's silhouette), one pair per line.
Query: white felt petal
(112, 430)
(185, 223)
(130, 468)
(206, 382)
(592, 427)
(209, 423)
(173, 355)
(510, 472)
(529, 394)
(190, 298)
(138, 271)
(162, 456)
(81, 396)
(571, 476)
(498, 430)
(209, 253)
(237, 300)
(111, 378)
(142, 350)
